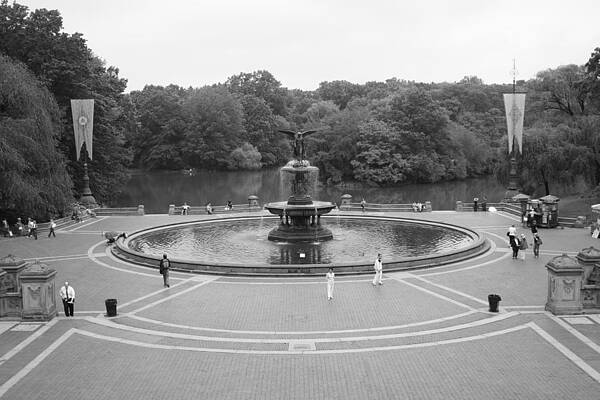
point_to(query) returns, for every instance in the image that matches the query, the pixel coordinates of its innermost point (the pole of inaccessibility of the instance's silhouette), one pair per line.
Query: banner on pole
(514, 105)
(83, 124)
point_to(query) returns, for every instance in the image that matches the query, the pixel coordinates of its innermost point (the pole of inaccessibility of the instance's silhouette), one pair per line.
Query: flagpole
(513, 173)
(83, 117)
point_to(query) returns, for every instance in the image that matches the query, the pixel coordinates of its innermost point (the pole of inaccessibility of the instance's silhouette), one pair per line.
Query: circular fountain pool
(239, 245)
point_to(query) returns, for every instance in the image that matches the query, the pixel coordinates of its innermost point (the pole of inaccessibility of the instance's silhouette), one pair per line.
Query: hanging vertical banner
(514, 105)
(83, 124)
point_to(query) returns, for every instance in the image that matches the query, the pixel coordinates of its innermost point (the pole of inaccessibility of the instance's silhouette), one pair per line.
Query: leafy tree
(67, 67)
(215, 128)
(33, 177)
(245, 157)
(261, 125)
(261, 84)
(566, 88)
(379, 159)
(340, 92)
(162, 127)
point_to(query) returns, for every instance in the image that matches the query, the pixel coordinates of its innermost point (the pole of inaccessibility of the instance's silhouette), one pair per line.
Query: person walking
(330, 283)
(363, 203)
(514, 245)
(52, 226)
(378, 266)
(165, 266)
(537, 241)
(523, 246)
(67, 294)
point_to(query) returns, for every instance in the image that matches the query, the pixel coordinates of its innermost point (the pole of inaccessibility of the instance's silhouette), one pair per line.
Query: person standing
(165, 266)
(209, 209)
(537, 241)
(185, 209)
(6, 228)
(67, 294)
(52, 226)
(20, 227)
(29, 227)
(363, 203)
(378, 266)
(330, 283)
(523, 246)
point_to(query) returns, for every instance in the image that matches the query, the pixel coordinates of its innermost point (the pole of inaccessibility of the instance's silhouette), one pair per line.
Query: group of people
(185, 208)
(418, 207)
(519, 243)
(29, 230)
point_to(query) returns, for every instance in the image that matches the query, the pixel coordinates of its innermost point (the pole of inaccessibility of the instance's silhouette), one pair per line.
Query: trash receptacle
(111, 307)
(494, 299)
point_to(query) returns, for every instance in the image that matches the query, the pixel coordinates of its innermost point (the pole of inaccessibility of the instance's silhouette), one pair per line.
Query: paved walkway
(426, 334)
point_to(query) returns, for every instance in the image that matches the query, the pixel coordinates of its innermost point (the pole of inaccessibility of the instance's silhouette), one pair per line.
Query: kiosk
(549, 214)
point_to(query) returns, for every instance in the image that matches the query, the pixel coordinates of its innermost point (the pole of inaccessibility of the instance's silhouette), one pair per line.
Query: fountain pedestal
(300, 216)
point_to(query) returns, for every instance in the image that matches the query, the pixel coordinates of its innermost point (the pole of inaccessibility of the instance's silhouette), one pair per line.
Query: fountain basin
(288, 261)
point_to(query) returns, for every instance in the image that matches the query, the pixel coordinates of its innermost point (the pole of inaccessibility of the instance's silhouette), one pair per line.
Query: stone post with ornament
(39, 292)
(11, 268)
(565, 281)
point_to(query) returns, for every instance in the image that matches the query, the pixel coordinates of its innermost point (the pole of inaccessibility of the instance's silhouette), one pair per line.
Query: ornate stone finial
(563, 262)
(37, 268)
(11, 260)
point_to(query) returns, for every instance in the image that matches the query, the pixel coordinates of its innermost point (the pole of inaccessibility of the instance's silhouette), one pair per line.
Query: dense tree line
(377, 133)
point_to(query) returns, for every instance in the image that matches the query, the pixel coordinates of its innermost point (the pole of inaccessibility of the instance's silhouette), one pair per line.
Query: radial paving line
(468, 296)
(27, 341)
(174, 295)
(111, 324)
(240, 332)
(183, 282)
(468, 268)
(97, 219)
(566, 352)
(590, 343)
(35, 362)
(448, 299)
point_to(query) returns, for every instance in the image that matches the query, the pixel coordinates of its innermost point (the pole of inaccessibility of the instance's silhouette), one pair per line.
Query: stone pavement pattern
(425, 334)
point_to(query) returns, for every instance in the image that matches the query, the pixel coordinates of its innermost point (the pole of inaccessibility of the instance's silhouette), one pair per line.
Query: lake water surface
(156, 190)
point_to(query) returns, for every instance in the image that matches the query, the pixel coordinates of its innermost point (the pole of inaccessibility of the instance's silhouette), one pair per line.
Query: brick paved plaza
(424, 334)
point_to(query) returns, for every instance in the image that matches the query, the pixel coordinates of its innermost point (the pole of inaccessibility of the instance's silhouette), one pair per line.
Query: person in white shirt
(330, 282)
(378, 266)
(67, 294)
(52, 226)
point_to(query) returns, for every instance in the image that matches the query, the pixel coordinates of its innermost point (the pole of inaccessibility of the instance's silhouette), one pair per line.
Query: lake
(157, 189)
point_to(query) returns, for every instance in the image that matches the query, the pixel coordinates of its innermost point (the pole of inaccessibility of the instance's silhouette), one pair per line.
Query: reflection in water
(156, 190)
(245, 242)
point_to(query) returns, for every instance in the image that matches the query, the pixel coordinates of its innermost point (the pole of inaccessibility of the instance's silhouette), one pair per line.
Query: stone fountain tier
(300, 222)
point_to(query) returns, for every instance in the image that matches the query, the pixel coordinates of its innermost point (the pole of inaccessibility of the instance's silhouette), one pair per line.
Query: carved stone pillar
(39, 292)
(565, 280)
(587, 258)
(253, 201)
(10, 289)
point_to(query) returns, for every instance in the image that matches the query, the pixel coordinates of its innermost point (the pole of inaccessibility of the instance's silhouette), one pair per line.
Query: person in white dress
(330, 283)
(378, 266)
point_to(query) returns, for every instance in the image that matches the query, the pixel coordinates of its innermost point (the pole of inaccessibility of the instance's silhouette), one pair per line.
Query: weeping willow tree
(33, 178)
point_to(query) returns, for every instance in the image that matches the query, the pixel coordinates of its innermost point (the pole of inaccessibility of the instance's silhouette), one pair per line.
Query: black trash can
(111, 307)
(494, 299)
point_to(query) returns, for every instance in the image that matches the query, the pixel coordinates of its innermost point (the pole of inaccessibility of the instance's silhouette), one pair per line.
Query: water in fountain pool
(355, 240)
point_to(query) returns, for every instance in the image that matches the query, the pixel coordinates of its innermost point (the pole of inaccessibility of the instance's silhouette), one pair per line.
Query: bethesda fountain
(300, 215)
